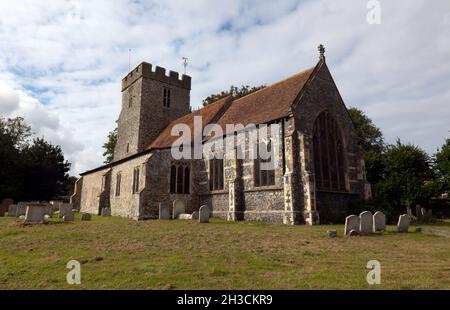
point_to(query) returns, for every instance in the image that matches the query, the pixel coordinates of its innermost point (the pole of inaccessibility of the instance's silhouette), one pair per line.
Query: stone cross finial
(321, 49)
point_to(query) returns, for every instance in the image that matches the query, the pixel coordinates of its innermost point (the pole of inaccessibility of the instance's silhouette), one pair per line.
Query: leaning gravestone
(379, 221)
(351, 223)
(403, 223)
(178, 208)
(86, 217)
(5, 205)
(35, 213)
(106, 211)
(65, 209)
(203, 215)
(164, 211)
(366, 222)
(12, 210)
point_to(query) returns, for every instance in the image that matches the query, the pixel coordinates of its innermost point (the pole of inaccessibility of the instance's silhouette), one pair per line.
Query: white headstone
(178, 208)
(403, 223)
(164, 211)
(203, 215)
(379, 221)
(35, 213)
(351, 223)
(185, 216)
(106, 211)
(423, 212)
(65, 209)
(366, 222)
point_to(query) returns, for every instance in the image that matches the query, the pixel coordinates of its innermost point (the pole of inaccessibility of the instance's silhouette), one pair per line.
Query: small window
(215, 174)
(187, 180)
(173, 179)
(118, 181)
(136, 180)
(103, 182)
(264, 169)
(180, 174)
(166, 97)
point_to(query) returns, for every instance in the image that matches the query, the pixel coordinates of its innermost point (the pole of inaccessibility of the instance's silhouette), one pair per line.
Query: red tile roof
(270, 103)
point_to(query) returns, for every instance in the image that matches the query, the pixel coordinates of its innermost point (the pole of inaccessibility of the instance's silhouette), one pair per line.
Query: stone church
(318, 160)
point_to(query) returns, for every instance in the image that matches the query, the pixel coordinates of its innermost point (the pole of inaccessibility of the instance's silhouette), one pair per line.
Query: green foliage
(235, 92)
(29, 170)
(442, 162)
(109, 146)
(370, 137)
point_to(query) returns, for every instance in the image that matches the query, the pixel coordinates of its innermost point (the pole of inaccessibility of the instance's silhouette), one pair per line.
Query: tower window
(166, 97)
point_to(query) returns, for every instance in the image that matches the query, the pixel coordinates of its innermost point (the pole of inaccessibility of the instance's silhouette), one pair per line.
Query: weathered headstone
(65, 209)
(178, 208)
(423, 212)
(5, 205)
(12, 210)
(69, 217)
(403, 223)
(106, 211)
(351, 223)
(203, 215)
(22, 208)
(366, 222)
(379, 221)
(48, 210)
(195, 215)
(35, 213)
(86, 217)
(164, 211)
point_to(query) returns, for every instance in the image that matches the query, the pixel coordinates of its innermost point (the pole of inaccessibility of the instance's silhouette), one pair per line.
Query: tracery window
(329, 162)
(180, 179)
(215, 174)
(264, 167)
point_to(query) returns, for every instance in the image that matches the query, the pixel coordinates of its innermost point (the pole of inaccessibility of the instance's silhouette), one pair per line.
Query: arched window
(180, 178)
(328, 154)
(264, 168)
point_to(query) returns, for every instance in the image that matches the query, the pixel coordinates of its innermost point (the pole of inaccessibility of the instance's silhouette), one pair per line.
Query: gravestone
(164, 211)
(12, 210)
(106, 211)
(86, 217)
(22, 208)
(351, 223)
(403, 223)
(379, 221)
(35, 213)
(5, 205)
(203, 215)
(56, 204)
(366, 222)
(48, 210)
(423, 212)
(185, 216)
(69, 217)
(178, 208)
(195, 215)
(65, 209)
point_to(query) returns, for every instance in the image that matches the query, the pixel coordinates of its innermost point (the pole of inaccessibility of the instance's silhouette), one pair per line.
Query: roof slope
(270, 103)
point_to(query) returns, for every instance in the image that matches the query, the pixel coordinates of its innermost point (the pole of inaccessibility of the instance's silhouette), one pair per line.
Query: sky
(61, 62)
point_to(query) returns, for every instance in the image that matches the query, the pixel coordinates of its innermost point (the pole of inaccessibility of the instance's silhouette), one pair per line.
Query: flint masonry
(318, 160)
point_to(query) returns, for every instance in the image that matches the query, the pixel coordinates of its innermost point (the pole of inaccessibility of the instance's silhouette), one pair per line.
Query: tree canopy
(109, 146)
(235, 92)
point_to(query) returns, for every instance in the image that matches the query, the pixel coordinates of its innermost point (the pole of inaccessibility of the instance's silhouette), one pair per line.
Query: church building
(317, 163)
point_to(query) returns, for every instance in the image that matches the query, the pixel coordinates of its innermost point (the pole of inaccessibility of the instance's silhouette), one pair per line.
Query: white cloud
(61, 62)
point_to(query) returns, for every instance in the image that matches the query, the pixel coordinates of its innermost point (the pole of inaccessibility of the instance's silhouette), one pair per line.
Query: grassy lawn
(123, 254)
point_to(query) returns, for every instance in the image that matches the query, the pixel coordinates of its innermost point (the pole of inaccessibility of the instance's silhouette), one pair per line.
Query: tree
(109, 146)
(371, 141)
(46, 170)
(235, 92)
(407, 171)
(442, 165)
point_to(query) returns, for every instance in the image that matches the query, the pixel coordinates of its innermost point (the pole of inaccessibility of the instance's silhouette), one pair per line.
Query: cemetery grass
(118, 253)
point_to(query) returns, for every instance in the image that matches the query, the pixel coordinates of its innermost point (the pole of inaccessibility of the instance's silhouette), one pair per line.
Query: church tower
(150, 101)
